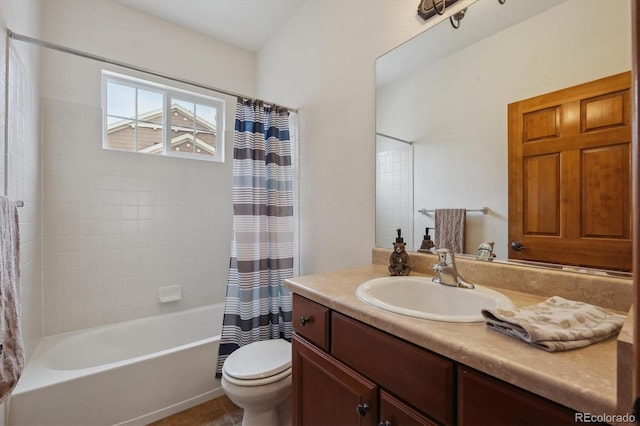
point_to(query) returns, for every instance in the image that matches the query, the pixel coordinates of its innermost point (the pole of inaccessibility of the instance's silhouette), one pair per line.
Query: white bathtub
(129, 373)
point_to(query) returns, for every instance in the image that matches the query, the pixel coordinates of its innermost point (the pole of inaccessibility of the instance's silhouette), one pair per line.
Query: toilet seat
(259, 363)
(257, 382)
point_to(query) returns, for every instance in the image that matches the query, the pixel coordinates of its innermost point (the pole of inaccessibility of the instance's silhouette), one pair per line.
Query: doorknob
(516, 246)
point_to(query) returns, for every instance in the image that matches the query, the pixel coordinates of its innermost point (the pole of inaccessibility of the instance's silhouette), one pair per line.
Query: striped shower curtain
(257, 306)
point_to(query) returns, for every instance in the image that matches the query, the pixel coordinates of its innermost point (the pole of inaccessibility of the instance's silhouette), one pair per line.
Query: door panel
(541, 195)
(605, 201)
(605, 111)
(541, 124)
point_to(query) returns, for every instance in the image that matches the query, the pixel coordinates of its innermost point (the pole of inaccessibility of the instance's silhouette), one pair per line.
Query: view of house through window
(156, 119)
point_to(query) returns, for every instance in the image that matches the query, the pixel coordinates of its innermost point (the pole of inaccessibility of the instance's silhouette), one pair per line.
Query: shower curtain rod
(394, 138)
(86, 55)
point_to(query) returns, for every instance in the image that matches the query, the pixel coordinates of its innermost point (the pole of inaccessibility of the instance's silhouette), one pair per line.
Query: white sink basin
(422, 298)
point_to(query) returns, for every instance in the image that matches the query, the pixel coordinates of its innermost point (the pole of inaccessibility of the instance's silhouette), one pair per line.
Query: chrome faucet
(446, 270)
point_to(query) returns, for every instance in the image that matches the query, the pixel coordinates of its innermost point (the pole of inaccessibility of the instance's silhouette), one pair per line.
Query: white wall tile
(24, 183)
(136, 230)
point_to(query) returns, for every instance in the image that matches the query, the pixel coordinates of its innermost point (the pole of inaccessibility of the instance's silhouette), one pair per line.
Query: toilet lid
(259, 360)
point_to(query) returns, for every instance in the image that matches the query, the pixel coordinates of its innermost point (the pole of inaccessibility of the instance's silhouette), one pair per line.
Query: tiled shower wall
(394, 192)
(23, 167)
(119, 225)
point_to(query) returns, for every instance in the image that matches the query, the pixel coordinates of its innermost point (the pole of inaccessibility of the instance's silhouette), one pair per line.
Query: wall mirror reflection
(442, 99)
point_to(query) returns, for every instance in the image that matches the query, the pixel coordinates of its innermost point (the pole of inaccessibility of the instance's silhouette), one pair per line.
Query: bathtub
(129, 373)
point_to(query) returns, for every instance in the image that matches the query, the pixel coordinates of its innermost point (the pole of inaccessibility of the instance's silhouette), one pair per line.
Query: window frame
(168, 93)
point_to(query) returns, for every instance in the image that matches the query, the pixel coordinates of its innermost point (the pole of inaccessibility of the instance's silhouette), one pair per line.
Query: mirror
(446, 92)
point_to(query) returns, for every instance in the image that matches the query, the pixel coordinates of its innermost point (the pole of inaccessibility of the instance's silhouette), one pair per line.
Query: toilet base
(285, 413)
(253, 418)
(263, 405)
(279, 416)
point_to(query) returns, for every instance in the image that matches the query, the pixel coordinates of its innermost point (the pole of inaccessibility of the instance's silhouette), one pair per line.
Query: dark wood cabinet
(311, 320)
(484, 400)
(346, 372)
(421, 378)
(394, 412)
(343, 369)
(326, 392)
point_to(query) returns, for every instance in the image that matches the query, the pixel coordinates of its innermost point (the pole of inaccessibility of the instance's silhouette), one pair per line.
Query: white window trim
(167, 92)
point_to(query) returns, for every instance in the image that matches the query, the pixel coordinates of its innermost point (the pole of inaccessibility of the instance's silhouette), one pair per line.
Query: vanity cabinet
(488, 401)
(343, 368)
(346, 372)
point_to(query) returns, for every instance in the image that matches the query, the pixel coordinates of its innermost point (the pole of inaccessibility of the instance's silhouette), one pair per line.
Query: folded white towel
(556, 324)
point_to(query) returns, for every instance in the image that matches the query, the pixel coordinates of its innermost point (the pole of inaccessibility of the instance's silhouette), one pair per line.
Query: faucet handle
(445, 256)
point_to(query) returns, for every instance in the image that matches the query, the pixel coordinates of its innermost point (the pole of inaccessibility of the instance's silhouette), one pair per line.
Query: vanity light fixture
(435, 9)
(456, 18)
(430, 8)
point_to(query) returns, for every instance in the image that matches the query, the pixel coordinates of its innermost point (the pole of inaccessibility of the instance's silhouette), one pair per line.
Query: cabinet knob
(304, 320)
(385, 423)
(363, 409)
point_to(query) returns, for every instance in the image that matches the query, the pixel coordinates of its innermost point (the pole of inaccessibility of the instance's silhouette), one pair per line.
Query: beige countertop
(582, 379)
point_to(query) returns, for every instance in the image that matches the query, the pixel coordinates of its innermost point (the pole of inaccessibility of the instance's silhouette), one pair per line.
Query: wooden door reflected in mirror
(570, 175)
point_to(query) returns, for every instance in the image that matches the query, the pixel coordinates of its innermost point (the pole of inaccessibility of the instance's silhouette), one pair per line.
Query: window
(146, 117)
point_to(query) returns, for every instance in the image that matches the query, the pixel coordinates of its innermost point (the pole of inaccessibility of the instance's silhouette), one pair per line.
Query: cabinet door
(487, 401)
(394, 412)
(326, 392)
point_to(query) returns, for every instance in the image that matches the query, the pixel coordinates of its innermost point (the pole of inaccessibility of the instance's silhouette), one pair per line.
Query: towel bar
(484, 210)
(20, 203)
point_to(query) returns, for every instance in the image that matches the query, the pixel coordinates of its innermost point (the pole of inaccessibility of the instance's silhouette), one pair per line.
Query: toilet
(257, 378)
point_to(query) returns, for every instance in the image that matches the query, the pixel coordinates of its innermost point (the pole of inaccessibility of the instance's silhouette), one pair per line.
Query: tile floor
(217, 412)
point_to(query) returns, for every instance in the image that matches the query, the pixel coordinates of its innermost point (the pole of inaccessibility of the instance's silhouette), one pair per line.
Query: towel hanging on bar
(12, 352)
(450, 229)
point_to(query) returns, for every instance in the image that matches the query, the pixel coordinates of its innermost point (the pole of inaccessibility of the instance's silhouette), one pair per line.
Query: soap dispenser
(427, 245)
(399, 259)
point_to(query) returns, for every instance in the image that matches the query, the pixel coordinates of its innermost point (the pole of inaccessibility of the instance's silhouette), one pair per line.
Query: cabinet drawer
(423, 379)
(311, 320)
(489, 401)
(395, 412)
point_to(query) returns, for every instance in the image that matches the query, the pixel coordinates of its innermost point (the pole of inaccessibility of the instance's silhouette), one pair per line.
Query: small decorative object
(485, 252)
(399, 259)
(427, 244)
